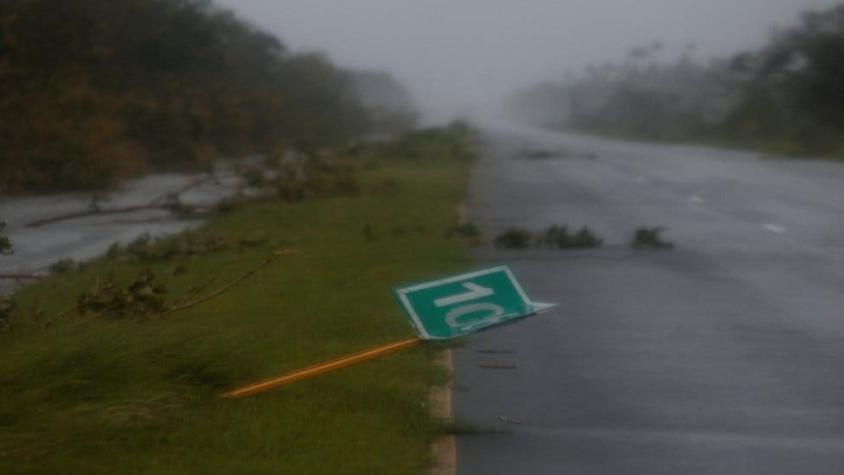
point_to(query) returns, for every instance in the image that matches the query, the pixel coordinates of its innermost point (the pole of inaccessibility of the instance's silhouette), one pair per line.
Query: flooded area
(37, 247)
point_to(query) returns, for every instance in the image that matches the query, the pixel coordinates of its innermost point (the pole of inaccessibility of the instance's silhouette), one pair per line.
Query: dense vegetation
(93, 91)
(388, 103)
(788, 96)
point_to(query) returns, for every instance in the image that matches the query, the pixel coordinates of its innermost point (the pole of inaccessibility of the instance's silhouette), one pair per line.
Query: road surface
(722, 356)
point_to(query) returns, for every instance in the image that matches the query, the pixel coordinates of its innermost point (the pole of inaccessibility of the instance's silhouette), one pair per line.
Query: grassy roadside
(93, 394)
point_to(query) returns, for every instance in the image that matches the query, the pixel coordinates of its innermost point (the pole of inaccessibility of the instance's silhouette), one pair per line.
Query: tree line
(787, 96)
(93, 91)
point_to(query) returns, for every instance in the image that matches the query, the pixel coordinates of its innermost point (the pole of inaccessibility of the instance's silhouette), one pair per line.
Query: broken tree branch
(169, 202)
(94, 212)
(246, 275)
(192, 303)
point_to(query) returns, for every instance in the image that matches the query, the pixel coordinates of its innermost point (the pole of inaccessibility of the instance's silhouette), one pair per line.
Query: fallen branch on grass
(178, 307)
(230, 285)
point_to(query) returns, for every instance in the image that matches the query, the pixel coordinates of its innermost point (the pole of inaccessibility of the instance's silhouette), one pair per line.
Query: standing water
(36, 247)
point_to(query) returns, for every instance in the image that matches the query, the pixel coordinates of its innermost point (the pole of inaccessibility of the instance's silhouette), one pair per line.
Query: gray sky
(460, 56)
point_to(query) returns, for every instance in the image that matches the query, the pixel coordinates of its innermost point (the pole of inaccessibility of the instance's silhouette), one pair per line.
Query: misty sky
(460, 56)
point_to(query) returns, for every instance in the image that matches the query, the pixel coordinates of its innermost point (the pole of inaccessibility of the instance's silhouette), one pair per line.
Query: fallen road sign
(439, 310)
(458, 305)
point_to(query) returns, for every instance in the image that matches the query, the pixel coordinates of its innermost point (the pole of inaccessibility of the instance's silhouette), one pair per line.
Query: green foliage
(792, 92)
(786, 96)
(585, 238)
(143, 296)
(94, 92)
(514, 238)
(5, 243)
(312, 174)
(561, 238)
(307, 176)
(189, 244)
(457, 140)
(63, 266)
(557, 237)
(640, 97)
(318, 184)
(650, 238)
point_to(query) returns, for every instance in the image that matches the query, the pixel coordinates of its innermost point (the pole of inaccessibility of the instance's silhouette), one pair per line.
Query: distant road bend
(723, 356)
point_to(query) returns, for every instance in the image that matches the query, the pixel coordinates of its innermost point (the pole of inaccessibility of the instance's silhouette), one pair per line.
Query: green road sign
(455, 306)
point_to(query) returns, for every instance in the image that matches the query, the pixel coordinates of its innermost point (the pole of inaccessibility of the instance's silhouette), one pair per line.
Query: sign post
(462, 304)
(439, 310)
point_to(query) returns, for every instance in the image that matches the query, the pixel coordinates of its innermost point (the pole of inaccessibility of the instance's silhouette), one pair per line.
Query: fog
(462, 56)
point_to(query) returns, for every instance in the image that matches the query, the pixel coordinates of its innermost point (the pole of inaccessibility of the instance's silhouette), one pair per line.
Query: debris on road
(514, 238)
(557, 237)
(650, 238)
(545, 154)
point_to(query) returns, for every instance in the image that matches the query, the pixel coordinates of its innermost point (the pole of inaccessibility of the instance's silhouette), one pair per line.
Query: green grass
(98, 396)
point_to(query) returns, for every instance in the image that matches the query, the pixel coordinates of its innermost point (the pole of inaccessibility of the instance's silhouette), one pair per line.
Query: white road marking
(696, 199)
(775, 228)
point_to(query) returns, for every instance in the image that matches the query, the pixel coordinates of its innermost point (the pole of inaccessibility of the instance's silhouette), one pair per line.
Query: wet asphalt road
(723, 356)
